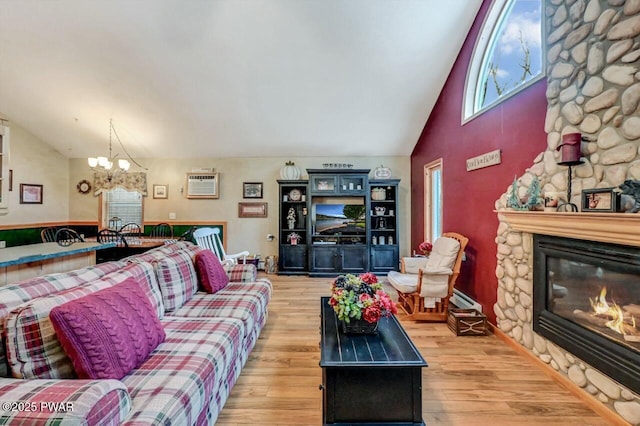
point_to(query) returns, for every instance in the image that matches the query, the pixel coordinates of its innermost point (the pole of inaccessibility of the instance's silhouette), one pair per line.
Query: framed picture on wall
(252, 209)
(160, 191)
(30, 193)
(252, 190)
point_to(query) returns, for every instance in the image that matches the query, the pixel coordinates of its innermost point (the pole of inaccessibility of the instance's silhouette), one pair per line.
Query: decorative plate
(83, 187)
(382, 173)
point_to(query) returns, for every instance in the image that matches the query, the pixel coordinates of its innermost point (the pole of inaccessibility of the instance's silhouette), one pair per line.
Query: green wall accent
(24, 236)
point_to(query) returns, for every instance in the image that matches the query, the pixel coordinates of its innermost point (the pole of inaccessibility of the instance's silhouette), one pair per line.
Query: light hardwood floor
(469, 381)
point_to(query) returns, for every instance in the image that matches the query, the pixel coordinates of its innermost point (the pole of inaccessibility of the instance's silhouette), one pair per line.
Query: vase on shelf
(359, 326)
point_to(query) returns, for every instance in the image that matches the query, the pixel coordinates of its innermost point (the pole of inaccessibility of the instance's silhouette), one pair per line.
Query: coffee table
(369, 379)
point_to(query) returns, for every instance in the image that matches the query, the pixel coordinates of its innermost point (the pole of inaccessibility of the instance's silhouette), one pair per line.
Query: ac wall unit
(203, 185)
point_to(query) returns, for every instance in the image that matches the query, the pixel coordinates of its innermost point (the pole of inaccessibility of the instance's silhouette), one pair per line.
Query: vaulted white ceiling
(228, 78)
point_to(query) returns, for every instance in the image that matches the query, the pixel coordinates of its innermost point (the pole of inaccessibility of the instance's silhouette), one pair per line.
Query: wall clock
(295, 195)
(83, 187)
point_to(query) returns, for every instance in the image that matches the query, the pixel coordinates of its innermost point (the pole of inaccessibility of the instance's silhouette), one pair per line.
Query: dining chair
(132, 232)
(210, 238)
(48, 235)
(188, 235)
(162, 230)
(425, 284)
(67, 236)
(111, 236)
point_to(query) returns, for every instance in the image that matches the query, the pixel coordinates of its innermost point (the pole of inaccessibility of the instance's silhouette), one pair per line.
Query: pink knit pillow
(211, 274)
(108, 333)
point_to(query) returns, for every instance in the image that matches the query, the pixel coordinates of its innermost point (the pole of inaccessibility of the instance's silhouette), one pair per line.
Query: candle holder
(569, 206)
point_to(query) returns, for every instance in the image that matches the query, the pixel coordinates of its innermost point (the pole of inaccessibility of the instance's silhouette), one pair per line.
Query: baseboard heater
(463, 301)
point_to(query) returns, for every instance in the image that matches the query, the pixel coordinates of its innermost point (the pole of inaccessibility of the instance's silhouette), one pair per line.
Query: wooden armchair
(425, 285)
(209, 238)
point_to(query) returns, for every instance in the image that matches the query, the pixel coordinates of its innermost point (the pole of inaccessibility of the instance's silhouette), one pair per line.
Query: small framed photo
(30, 193)
(160, 191)
(252, 190)
(604, 200)
(252, 209)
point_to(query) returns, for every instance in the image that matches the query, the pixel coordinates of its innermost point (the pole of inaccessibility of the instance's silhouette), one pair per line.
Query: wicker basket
(359, 327)
(467, 322)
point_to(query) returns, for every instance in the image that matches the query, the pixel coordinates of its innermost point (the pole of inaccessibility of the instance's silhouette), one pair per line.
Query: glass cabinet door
(323, 184)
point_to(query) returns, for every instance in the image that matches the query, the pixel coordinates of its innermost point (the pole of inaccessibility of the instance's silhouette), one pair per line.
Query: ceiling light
(105, 164)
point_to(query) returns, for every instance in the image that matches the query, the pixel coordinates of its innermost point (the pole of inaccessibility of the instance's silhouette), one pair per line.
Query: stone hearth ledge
(617, 228)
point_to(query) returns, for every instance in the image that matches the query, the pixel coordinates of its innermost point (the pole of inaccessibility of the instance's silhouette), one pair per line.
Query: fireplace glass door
(586, 299)
(600, 297)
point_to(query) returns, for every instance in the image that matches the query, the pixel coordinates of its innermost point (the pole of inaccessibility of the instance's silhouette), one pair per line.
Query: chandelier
(105, 164)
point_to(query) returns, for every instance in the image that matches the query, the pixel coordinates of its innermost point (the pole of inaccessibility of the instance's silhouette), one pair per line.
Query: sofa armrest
(54, 401)
(244, 272)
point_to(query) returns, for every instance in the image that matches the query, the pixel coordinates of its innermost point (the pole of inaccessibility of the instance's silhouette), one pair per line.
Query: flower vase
(291, 224)
(359, 326)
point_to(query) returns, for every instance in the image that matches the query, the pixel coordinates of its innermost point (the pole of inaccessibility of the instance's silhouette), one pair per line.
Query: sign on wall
(485, 160)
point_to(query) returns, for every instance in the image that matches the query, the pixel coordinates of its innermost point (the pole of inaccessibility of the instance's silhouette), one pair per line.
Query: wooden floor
(469, 381)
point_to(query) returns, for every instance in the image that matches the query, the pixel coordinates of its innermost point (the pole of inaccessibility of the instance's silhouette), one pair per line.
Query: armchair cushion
(443, 254)
(413, 264)
(404, 283)
(108, 333)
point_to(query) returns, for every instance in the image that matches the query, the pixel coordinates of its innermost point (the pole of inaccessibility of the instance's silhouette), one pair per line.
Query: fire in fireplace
(587, 301)
(620, 319)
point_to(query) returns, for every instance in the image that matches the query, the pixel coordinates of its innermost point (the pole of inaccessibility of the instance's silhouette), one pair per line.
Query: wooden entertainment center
(338, 221)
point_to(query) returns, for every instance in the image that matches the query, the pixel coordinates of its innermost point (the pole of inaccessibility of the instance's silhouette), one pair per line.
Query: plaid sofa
(185, 380)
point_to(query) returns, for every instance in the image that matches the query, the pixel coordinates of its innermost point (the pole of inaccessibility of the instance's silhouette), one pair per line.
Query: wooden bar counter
(24, 262)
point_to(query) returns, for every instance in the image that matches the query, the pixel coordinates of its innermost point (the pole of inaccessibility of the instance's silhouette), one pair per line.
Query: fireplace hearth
(586, 299)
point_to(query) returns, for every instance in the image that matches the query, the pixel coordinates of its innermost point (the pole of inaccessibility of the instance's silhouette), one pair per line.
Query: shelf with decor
(338, 222)
(292, 234)
(383, 216)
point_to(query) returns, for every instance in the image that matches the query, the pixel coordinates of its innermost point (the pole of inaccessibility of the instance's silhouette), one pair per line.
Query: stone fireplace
(517, 308)
(593, 88)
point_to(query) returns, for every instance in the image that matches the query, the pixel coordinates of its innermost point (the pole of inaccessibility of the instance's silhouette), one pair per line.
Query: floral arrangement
(291, 214)
(360, 297)
(293, 238)
(425, 248)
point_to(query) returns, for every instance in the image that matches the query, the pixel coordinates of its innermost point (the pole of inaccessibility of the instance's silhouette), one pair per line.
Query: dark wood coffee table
(369, 379)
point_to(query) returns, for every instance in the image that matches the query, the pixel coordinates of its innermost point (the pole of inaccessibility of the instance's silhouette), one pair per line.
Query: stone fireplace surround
(514, 307)
(593, 88)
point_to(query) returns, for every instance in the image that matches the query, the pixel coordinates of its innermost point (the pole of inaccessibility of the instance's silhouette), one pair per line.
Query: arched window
(507, 57)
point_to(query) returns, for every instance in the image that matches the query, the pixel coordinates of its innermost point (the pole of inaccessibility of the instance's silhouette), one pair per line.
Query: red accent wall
(516, 127)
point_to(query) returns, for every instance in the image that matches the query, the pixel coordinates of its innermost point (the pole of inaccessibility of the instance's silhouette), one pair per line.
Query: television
(339, 218)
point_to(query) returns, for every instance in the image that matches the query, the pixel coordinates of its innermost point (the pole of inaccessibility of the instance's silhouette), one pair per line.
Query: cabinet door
(293, 258)
(323, 185)
(353, 259)
(384, 258)
(352, 184)
(324, 259)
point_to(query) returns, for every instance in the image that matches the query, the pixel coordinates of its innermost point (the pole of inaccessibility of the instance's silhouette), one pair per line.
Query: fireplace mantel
(617, 228)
